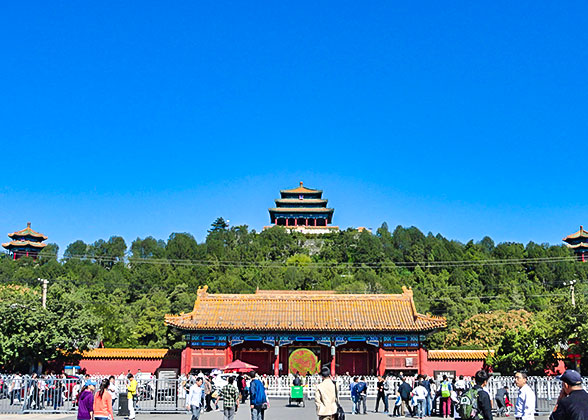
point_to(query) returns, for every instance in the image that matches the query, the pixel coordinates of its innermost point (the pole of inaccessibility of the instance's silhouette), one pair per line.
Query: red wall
(116, 366)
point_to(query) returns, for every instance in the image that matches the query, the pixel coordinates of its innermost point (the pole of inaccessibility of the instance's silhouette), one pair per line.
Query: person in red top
(103, 402)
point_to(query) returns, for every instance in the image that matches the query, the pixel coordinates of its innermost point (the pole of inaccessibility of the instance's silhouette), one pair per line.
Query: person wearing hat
(86, 401)
(572, 403)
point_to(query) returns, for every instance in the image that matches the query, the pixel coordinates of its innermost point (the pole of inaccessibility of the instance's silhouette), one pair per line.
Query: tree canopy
(118, 294)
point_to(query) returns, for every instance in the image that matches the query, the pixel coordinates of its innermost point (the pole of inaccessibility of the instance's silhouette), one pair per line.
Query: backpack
(445, 392)
(467, 406)
(361, 387)
(386, 386)
(258, 397)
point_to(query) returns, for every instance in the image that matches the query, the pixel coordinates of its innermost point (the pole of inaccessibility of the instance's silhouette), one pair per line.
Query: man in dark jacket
(405, 389)
(572, 403)
(484, 404)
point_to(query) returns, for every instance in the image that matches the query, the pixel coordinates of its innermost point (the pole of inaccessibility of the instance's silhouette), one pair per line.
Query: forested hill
(119, 294)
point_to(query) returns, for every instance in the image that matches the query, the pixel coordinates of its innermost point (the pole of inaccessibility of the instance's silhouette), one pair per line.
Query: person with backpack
(475, 402)
(445, 389)
(257, 398)
(382, 387)
(362, 394)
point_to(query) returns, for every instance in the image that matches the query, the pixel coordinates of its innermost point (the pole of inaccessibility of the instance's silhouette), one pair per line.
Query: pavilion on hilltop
(302, 209)
(284, 332)
(578, 242)
(25, 243)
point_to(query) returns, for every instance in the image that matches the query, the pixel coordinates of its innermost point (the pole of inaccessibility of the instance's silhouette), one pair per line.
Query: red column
(287, 221)
(314, 222)
(277, 362)
(296, 222)
(307, 221)
(422, 359)
(381, 361)
(228, 355)
(186, 364)
(333, 363)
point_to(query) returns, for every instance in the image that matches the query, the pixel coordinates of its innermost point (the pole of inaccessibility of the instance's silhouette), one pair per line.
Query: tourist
(297, 381)
(195, 398)
(397, 405)
(325, 396)
(112, 389)
(207, 394)
(525, 405)
(420, 394)
(572, 403)
(405, 389)
(242, 387)
(484, 405)
(257, 398)
(131, 395)
(15, 388)
(58, 391)
(362, 394)
(382, 386)
(103, 402)
(86, 401)
(230, 395)
(501, 398)
(445, 397)
(353, 395)
(427, 385)
(460, 385)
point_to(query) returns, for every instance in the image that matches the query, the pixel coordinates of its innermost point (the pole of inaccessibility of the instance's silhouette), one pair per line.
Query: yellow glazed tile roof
(323, 311)
(24, 243)
(112, 353)
(300, 190)
(458, 354)
(579, 234)
(27, 232)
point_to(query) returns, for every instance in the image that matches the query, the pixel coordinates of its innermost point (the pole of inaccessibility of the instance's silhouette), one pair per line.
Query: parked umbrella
(239, 366)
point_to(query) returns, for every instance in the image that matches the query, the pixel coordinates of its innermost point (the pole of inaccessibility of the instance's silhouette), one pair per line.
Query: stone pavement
(278, 411)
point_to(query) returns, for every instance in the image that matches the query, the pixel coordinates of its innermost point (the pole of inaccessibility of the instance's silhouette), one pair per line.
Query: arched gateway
(355, 333)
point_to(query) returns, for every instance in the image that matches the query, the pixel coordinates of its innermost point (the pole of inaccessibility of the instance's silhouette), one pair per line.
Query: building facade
(285, 332)
(302, 209)
(25, 243)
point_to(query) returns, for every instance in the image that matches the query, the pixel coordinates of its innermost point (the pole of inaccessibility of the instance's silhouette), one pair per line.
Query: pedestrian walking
(382, 387)
(446, 389)
(397, 405)
(525, 405)
(354, 395)
(257, 398)
(86, 401)
(207, 394)
(420, 394)
(362, 394)
(195, 398)
(103, 402)
(131, 395)
(405, 390)
(501, 398)
(572, 403)
(112, 390)
(230, 395)
(484, 409)
(325, 396)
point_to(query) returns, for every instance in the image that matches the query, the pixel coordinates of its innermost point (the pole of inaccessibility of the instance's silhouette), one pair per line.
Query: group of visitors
(234, 393)
(97, 405)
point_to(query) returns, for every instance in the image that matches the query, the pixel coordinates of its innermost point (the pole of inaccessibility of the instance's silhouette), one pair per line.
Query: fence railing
(27, 395)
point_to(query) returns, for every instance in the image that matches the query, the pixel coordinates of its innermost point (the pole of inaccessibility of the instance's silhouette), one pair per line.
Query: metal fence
(50, 395)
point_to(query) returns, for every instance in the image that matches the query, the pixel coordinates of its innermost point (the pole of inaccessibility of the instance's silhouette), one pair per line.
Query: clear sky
(145, 118)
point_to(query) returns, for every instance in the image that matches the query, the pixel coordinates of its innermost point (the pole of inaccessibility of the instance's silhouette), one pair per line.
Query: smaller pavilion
(303, 209)
(578, 242)
(25, 243)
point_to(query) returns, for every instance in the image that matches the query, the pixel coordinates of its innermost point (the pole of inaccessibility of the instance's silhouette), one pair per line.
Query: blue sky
(136, 119)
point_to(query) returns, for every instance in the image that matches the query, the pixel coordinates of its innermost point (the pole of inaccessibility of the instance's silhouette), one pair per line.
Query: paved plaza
(278, 411)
